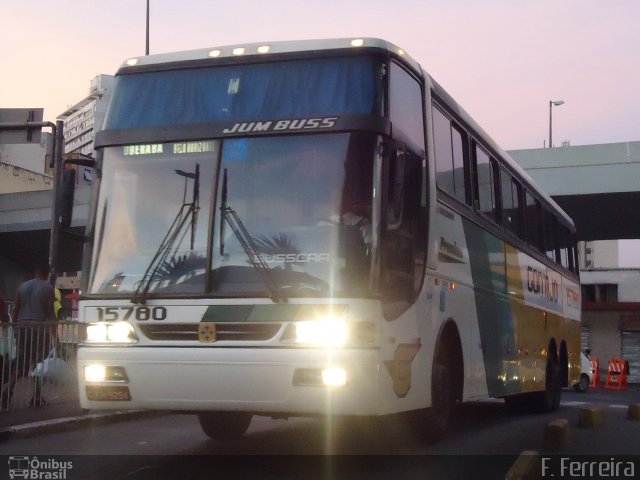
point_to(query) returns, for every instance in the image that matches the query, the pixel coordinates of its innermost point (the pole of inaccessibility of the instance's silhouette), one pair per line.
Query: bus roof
(268, 48)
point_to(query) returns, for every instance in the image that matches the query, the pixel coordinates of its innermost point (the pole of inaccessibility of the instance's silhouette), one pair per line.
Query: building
(610, 306)
(83, 119)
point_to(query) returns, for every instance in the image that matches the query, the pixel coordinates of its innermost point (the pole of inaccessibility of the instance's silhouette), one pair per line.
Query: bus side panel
(520, 310)
(454, 298)
(495, 319)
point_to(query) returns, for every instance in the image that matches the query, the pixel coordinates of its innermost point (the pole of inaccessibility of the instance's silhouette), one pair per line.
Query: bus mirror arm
(84, 161)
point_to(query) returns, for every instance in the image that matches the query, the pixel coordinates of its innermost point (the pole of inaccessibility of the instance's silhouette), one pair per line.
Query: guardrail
(37, 362)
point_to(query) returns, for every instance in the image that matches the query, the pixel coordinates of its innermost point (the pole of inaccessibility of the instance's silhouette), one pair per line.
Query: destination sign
(180, 148)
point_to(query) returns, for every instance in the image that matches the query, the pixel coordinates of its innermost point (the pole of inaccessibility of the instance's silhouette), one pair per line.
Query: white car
(586, 374)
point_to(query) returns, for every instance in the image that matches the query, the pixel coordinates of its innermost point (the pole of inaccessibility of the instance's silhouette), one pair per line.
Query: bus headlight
(334, 377)
(95, 373)
(116, 332)
(327, 333)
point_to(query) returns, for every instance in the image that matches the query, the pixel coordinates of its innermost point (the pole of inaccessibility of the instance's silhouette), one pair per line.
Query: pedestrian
(34, 305)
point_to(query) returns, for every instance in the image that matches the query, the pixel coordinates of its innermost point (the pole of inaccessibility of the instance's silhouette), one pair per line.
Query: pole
(147, 48)
(550, 130)
(55, 207)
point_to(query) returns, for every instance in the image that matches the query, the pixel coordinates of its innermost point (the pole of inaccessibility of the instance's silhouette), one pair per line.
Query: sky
(503, 60)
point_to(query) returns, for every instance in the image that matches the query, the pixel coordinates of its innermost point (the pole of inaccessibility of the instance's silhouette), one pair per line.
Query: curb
(28, 430)
(556, 434)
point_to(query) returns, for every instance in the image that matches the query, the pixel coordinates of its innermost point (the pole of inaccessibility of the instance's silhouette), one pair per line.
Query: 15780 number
(140, 313)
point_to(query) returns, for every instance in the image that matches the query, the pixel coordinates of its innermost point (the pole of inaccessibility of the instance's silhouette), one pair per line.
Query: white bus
(313, 228)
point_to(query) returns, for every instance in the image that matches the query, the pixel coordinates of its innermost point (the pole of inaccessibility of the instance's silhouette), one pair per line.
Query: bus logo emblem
(207, 332)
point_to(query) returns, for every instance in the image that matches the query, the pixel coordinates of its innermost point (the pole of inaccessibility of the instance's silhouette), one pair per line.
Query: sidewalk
(62, 413)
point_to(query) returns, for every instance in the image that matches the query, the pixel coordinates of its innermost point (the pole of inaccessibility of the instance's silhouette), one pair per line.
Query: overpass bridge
(597, 185)
(25, 220)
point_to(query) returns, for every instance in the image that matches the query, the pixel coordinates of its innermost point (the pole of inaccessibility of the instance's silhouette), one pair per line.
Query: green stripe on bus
(495, 321)
(270, 313)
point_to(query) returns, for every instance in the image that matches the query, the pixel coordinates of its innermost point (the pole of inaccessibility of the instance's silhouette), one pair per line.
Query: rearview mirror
(67, 197)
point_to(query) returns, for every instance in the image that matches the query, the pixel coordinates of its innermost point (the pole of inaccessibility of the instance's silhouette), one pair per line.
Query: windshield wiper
(175, 235)
(229, 215)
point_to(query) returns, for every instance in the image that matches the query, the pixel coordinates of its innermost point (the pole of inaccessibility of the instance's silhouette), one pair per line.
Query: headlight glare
(97, 332)
(119, 332)
(116, 332)
(95, 373)
(330, 332)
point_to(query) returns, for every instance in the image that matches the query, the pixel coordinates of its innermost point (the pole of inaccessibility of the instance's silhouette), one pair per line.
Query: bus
(316, 228)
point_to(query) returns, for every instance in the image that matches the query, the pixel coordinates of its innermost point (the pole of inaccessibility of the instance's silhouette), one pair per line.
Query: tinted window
(314, 234)
(405, 108)
(566, 252)
(449, 153)
(139, 232)
(443, 151)
(511, 215)
(263, 91)
(457, 143)
(550, 235)
(485, 185)
(533, 221)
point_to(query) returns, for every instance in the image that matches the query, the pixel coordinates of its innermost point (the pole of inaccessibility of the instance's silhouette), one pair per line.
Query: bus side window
(511, 216)
(550, 235)
(451, 171)
(405, 108)
(534, 221)
(566, 252)
(485, 173)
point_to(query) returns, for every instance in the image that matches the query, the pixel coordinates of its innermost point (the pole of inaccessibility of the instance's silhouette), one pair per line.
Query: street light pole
(147, 36)
(557, 103)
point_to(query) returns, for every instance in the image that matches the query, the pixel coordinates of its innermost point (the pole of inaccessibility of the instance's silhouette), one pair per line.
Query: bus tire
(444, 391)
(224, 426)
(549, 399)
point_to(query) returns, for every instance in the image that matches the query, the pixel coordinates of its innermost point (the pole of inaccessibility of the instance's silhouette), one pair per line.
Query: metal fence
(37, 363)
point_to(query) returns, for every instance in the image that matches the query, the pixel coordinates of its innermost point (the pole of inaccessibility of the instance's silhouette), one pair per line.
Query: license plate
(98, 393)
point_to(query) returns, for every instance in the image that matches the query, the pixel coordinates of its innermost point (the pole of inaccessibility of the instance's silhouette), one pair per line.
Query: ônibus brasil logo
(33, 468)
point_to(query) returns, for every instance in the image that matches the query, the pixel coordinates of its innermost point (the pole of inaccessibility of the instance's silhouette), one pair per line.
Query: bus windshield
(239, 217)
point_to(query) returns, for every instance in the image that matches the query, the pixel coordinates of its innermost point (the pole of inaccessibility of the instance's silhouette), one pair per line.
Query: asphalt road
(485, 440)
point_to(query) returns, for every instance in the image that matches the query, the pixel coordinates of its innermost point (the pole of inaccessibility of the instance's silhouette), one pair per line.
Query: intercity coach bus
(316, 228)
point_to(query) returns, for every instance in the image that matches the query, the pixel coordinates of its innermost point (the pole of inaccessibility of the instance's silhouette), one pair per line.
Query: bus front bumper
(269, 381)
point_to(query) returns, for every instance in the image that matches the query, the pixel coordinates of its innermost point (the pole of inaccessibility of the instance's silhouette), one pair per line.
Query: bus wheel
(549, 399)
(442, 396)
(224, 425)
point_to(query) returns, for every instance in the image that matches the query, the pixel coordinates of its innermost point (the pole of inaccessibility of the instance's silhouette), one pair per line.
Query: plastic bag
(52, 368)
